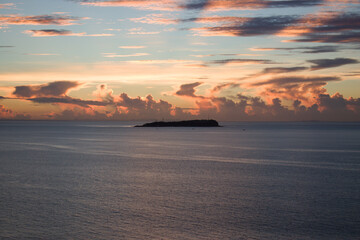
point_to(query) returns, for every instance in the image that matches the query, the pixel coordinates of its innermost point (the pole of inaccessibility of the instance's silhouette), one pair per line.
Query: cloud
(239, 61)
(148, 108)
(69, 100)
(53, 89)
(305, 89)
(163, 5)
(250, 26)
(277, 70)
(104, 94)
(281, 81)
(6, 5)
(54, 19)
(337, 107)
(331, 26)
(315, 49)
(8, 114)
(111, 55)
(274, 71)
(51, 32)
(42, 54)
(140, 31)
(210, 5)
(154, 19)
(132, 47)
(6, 46)
(221, 86)
(62, 32)
(344, 37)
(188, 89)
(322, 107)
(223, 5)
(265, 71)
(331, 63)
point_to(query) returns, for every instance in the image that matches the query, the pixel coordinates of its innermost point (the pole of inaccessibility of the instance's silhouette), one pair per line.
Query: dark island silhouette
(189, 123)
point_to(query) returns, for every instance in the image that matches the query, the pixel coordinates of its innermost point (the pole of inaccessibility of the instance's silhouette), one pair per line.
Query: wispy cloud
(141, 31)
(7, 5)
(62, 32)
(223, 5)
(239, 61)
(132, 47)
(155, 18)
(54, 19)
(164, 5)
(42, 54)
(264, 72)
(282, 81)
(112, 55)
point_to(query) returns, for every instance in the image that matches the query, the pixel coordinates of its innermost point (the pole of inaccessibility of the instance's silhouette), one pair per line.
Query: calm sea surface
(107, 180)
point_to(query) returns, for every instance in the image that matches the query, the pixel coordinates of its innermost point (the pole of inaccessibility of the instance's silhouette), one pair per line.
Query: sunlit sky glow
(231, 60)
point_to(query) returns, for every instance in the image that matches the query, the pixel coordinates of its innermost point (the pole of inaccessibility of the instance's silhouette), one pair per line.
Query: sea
(109, 180)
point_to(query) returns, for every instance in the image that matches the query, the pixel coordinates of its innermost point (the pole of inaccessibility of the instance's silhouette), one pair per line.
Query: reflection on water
(90, 180)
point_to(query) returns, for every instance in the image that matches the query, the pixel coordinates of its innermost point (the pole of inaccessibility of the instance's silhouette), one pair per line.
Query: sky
(230, 60)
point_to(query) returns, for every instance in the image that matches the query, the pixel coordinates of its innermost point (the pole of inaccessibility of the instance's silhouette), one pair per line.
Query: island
(189, 123)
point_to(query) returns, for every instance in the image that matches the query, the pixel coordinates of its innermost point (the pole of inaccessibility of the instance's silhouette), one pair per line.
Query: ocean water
(107, 180)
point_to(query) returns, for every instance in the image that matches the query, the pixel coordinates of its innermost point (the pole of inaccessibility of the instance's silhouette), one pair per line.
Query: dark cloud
(315, 49)
(240, 61)
(321, 49)
(340, 22)
(188, 89)
(49, 32)
(339, 28)
(224, 85)
(331, 63)
(294, 79)
(344, 37)
(277, 70)
(6, 46)
(69, 100)
(148, 108)
(54, 89)
(324, 27)
(251, 26)
(338, 108)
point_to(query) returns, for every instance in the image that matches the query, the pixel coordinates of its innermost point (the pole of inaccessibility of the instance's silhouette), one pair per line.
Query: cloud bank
(109, 106)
